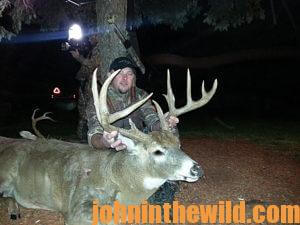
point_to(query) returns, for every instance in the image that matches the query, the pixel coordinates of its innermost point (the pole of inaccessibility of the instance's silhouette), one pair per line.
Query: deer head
(160, 151)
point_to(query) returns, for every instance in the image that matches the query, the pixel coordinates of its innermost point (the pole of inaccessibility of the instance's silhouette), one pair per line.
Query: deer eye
(158, 153)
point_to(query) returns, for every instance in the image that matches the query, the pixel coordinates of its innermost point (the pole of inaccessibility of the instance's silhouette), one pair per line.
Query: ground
(235, 170)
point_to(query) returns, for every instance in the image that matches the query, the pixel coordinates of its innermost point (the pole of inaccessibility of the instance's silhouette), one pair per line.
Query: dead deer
(66, 177)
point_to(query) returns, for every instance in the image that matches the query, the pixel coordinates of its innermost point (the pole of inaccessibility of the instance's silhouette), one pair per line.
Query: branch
(5, 34)
(3, 5)
(223, 59)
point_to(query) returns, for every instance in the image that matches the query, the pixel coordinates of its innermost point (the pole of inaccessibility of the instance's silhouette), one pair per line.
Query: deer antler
(103, 115)
(35, 120)
(163, 122)
(191, 105)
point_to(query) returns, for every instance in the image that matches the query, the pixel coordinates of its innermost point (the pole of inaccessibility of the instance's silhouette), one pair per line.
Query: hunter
(84, 76)
(121, 93)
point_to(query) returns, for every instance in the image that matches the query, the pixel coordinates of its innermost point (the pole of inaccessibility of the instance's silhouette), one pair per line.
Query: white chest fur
(152, 182)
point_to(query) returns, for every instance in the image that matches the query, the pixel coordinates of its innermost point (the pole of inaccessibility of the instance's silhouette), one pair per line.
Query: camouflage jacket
(145, 117)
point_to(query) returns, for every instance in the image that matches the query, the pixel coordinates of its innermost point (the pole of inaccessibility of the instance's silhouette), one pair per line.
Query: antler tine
(35, 120)
(189, 88)
(33, 114)
(117, 115)
(163, 122)
(191, 105)
(102, 112)
(170, 96)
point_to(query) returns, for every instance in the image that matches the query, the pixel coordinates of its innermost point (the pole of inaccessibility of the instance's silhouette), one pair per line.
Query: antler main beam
(191, 105)
(102, 112)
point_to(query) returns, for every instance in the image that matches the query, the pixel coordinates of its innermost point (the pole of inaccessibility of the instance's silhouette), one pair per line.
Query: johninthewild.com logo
(224, 212)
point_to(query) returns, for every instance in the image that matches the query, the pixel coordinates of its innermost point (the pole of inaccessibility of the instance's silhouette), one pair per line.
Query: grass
(273, 133)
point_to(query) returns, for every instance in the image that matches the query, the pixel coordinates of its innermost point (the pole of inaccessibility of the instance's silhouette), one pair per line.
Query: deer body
(66, 177)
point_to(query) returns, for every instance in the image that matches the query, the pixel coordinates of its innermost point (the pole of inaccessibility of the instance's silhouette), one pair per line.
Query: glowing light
(75, 32)
(56, 91)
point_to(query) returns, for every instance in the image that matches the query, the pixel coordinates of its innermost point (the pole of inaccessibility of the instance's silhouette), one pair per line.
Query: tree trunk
(109, 46)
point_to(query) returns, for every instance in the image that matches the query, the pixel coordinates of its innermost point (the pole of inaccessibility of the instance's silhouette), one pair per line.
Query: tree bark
(289, 13)
(223, 59)
(109, 46)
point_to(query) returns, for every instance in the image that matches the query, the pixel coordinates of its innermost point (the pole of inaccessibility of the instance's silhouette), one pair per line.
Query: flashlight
(75, 32)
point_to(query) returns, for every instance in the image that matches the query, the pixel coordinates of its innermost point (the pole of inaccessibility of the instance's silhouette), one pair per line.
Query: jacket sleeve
(150, 115)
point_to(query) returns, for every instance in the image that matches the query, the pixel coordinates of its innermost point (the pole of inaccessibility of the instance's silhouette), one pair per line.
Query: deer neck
(134, 176)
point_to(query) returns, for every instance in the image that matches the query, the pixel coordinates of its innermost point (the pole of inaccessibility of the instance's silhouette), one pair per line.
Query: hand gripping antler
(191, 105)
(103, 115)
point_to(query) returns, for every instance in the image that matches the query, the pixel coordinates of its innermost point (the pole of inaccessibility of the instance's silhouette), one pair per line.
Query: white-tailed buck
(66, 177)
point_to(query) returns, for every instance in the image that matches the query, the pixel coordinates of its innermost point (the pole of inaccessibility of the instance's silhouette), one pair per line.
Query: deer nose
(196, 170)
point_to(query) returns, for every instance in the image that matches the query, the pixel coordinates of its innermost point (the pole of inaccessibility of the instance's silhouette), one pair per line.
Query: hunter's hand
(75, 54)
(172, 121)
(109, 140)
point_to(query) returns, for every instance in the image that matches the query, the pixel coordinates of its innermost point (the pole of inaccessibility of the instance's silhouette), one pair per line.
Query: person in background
(84, 76)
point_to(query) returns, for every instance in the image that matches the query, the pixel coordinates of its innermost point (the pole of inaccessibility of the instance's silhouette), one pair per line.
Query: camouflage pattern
(144, 117)
(84, 76)
(83, 98)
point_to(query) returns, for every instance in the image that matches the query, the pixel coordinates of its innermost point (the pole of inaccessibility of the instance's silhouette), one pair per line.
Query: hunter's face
(123, 82)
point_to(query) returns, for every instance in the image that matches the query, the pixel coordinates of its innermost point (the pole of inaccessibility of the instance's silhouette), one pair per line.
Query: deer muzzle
(197, 171)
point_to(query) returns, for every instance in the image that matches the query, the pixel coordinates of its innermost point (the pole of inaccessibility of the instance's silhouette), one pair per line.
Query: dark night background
(246, 139)
(254, 89)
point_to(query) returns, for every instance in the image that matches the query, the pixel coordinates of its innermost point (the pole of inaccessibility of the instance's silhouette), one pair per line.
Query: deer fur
(66, 177)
